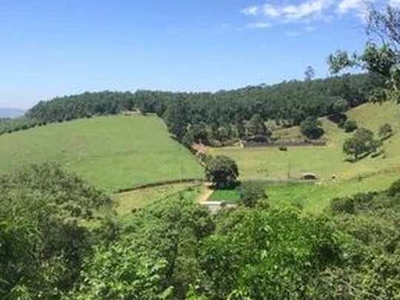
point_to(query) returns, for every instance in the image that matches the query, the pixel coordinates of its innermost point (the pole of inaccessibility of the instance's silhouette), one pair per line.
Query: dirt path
(205, 193)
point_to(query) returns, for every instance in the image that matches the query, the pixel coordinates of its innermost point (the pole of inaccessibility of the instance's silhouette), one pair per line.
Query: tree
(256, 126)
(381, 59)
(176, 119)
(309, 73)
(42, 241)
(222, 133)
(350, 126)
(311, 128)
(222, 171)
(240, 129)
(362, 142)
(385, 131)
(155, 257)
(340, 106)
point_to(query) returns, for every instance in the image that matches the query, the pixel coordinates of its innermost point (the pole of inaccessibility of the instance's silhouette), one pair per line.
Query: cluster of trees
(363, 141)
(22, 123)
(42, 241)
(177, 249)
(223, 115)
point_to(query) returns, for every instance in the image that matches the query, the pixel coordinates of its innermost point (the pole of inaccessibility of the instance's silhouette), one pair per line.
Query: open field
(271, 163)
(369, 174)
(126, 202)
(313, 197)
(112, 153)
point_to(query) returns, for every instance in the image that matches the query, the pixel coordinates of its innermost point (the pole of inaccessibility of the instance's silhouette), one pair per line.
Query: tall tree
(309, 73)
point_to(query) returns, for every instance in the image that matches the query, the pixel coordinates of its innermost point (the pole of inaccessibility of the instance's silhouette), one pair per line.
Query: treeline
(177, 249)
(17, 124)
(221, 115)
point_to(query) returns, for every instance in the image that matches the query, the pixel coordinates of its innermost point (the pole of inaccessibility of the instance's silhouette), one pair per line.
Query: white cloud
(360, 7)
(250, 10)
(259, 25)
(271, 11)
(308, 9)
(348, 5)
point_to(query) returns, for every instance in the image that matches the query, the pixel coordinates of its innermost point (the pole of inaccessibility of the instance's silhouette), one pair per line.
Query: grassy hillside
(270, 163)
(110, 152)
(369, 174)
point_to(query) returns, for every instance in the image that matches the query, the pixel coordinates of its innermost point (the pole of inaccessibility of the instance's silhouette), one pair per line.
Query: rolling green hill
(338, 177)
(112, 153)
(271, 163)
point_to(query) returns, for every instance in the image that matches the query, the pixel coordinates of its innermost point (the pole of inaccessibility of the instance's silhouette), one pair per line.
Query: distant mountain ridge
(11, 112)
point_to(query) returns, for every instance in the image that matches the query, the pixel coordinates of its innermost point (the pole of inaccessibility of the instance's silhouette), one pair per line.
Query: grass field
(110, 152)
(225, 196)
(315, 197)
(126, 202)
(270, 163)
(369, 174)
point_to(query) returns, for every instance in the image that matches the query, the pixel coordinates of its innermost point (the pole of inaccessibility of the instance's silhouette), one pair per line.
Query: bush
(310, 128)
(343, 205)
(252, 192)
(394, 188)
(350, 126)
(385, 131)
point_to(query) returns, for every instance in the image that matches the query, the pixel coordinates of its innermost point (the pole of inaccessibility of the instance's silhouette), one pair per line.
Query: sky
(53, 48)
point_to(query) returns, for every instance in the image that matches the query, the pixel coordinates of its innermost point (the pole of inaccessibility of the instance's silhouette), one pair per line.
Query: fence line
(161, 183)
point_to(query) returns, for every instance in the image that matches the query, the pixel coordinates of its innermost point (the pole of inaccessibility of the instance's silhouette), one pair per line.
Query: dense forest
(212, 116)
(56, 245)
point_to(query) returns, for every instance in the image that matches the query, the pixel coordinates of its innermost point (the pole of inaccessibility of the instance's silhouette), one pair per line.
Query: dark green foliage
(362, 142)
(222, 171)
(256, 127)
(371, 270)
(385, 131)
(22, 123)
(155, 257)
(267, 254)
(350, 126)
(339, 106)
(379, 59)
(311, 128)
(394, 188)
(251, 193)
(224, 113)
(42, 244)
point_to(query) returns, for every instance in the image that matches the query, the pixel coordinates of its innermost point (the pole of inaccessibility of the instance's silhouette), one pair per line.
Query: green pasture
(113, 153)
